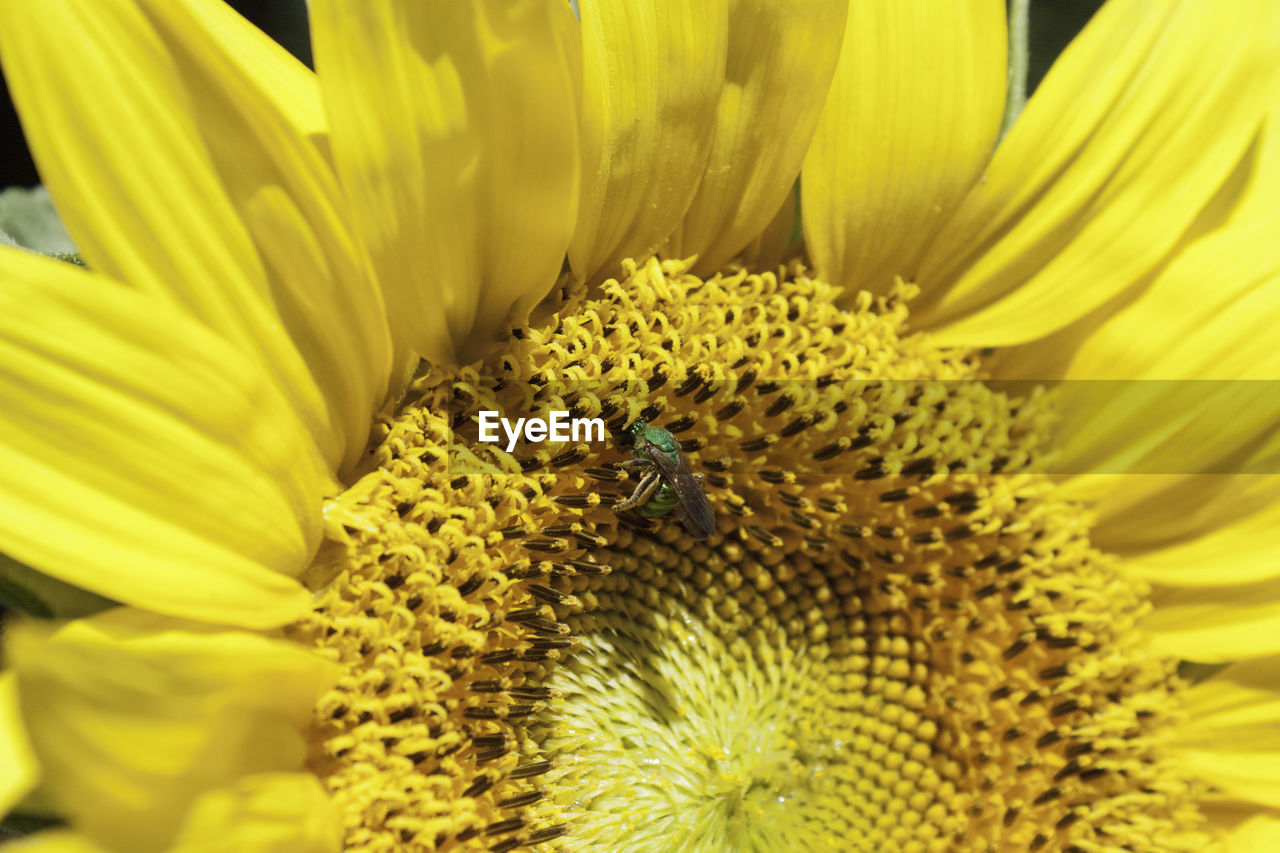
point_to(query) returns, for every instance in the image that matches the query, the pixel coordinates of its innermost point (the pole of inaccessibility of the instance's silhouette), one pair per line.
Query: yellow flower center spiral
(898, 638)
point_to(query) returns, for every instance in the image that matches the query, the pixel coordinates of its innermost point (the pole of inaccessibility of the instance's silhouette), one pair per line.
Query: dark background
(1053, 23)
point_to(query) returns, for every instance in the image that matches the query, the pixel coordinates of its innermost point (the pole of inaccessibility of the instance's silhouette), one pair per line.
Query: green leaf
(28, 217)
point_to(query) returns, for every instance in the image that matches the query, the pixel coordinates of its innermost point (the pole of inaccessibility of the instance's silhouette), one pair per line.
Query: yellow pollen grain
(898, 638)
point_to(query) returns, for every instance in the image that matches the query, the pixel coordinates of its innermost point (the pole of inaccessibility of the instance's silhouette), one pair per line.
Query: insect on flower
(666, 483)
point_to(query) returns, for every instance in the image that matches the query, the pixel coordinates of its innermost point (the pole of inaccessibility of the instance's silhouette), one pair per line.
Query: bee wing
(693, 509)
(701, 527)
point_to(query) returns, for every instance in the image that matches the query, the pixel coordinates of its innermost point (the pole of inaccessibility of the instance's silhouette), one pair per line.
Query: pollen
(898, 638)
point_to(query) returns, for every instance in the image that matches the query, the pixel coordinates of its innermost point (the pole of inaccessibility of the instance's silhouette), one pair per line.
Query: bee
(666, 483)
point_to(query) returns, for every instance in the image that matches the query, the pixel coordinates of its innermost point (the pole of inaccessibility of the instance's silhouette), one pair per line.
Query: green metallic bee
(666, 483)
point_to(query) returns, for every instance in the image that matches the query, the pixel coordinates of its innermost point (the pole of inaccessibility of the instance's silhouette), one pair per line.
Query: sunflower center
(893, 639)
(698, 716)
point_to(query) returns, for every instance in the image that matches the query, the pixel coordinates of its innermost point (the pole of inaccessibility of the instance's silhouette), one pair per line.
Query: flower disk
(898, 638)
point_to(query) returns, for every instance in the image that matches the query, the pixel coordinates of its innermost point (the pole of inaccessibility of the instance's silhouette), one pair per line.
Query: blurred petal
(264, 813)
(1239, 550)
(267, 813)
(1209, 547)
(1217, 624)
(54, 841)
(1231, 737)
(177, 172)
(653, 73)
(1168, 427)
(143, 458)
(1259, 834)
(453, 130)
(1140, 514)
(779, 67)
(1124, 143)
(909, 125)
(135, 715)
(21, 770)
(25, 590)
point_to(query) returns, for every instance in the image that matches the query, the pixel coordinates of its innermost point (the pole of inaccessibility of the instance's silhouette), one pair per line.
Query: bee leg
(648, 484)
(635, 464)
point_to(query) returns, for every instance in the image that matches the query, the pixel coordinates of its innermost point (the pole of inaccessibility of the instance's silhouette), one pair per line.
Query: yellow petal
(772, 246)
(263, 813)
(453, 130)
(290, 86)
(1127, 139)
(1197, 530)
(1175, 327)
(26, 590)
(142, 457)
(779, 67)
(256, 96)
(1217, 624)
(20, 769)
(1197, 454)
(908, 126)
(653, 72)
(1231, 738)
(266, 813)
(134, 716)
(1168, 427)
(1260, 834)
(1180, 329)
(160, 134)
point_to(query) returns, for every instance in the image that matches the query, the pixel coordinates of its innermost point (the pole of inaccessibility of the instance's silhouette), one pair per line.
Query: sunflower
(955, 582)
